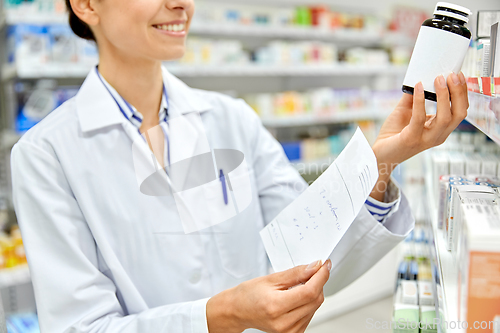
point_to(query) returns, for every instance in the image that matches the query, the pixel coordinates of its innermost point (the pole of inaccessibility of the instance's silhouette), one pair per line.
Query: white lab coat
(106, 258)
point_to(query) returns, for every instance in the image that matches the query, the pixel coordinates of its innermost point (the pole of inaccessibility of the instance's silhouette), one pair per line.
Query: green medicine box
(406, 318)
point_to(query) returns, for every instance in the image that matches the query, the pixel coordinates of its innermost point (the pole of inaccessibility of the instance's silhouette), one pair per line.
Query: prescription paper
(312, 225)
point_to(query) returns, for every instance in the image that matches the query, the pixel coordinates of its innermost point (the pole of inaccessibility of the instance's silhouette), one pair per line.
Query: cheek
(128, 29)
(190, 11)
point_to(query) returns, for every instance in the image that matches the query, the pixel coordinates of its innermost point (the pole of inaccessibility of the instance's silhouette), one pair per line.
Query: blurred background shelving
(233, 71)
(312, 72)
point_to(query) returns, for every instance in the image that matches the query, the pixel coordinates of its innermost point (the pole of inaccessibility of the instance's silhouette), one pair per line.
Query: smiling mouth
(171, 27)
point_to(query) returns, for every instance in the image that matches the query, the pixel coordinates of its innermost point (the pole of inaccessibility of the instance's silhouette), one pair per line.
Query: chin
(172, 54)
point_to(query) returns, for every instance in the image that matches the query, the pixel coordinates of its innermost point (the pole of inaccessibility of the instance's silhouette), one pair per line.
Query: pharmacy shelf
(26, 17)
(55, 71)
(484, 113)
(284, 71)
(62, 71)
(445, 264)
(341, 117)
(351, 36)
(342, 35)
(10, 277)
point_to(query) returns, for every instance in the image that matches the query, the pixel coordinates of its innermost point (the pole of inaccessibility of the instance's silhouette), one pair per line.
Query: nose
(179, 4)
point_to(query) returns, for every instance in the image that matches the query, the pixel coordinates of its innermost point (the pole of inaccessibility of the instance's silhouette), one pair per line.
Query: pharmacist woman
(106, 257)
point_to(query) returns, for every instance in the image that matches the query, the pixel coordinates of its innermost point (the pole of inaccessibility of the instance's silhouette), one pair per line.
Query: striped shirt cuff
(383, 210)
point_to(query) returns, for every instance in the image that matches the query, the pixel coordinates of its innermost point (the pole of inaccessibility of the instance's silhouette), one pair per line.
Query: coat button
(195, 276)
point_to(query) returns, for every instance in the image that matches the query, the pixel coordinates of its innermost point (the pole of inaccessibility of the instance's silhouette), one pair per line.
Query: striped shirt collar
(129, 111)
(96, 107)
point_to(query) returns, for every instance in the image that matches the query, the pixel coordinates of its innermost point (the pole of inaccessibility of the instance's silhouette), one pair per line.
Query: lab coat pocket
(238, 239)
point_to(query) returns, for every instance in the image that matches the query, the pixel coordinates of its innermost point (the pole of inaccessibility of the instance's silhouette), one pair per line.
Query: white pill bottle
(440, 48)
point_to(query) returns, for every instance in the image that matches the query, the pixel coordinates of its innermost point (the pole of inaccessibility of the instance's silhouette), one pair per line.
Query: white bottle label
(437, 52)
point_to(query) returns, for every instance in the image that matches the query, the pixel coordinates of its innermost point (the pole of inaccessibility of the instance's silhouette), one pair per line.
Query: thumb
(295, 276)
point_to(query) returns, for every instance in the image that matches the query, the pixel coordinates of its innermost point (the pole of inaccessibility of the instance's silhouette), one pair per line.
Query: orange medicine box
(479, 265)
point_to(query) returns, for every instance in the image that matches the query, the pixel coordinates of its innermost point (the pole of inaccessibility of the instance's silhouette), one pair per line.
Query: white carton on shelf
(494, 64)
(409, 292)
(425, 293)
(265, 104)
(459, 195)
(457, 163)
(479, 264)
(479, 139)
(467, 149)
(448, 208)
(440, 166)
(488, 147)
(467, 138)
(489, 165)
(472, 164)
(444, 198)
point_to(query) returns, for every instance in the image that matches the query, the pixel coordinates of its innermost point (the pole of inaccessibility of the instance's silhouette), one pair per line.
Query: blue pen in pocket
(224, 188)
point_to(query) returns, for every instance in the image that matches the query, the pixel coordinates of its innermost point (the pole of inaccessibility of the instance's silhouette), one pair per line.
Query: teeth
(171, 27)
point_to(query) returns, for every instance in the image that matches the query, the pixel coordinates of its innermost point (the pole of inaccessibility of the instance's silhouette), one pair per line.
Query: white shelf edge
(341, 117)
(485, 132)
(292, 32)
(474, 98)
(51, 71)
(10, 277)
(11, 71)
(33, 18)
(284, 71)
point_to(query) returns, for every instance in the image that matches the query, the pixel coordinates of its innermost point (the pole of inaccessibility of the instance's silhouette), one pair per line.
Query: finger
(443, 113)
(309, 291)
(294, 276)
(301, 325)
(305, 324)
(406, 101)
(418, 115)
(459, 98)
(307, 308)
(303, 314)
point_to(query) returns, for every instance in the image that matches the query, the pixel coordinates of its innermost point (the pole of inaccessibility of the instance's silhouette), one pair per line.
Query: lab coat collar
(96, 108)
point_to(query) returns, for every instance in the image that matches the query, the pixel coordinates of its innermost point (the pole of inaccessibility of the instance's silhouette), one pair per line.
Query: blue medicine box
(292, 150)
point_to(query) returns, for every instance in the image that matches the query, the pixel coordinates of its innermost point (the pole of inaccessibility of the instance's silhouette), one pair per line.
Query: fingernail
(461, 77)
(329, 265)
(441, 81)
(313, 265)
(455, 79)
(419, 88)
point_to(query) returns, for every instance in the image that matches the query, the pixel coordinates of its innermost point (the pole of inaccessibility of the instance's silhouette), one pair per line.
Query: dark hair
(80, 28)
